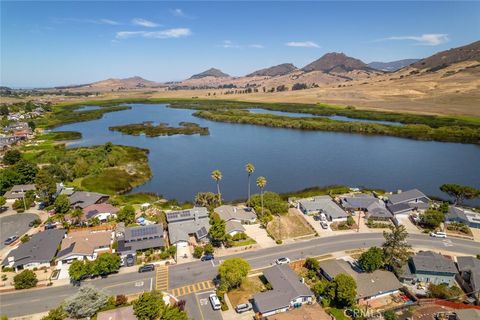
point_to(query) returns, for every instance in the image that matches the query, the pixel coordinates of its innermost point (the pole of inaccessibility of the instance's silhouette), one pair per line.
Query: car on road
(10, 240)
(244, 307)
(283, 260)
(146, 268)
(324, 225)
(215, 302)
(438, 234)
(207, 257)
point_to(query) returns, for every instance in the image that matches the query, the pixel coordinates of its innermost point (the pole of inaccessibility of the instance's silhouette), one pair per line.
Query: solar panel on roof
(202, 232)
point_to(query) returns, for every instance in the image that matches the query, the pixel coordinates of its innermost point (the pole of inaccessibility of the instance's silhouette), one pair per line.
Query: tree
(62, 204)
(126, 215)
(432, 218)
(249, 168)
(271, 202)
(390, 315)
(396, 250)
(78, 269)
(197, 252)
(217, 231)
(2, 201)
(12, 156)
(108, 147)
(217, 176)
(106, 263)
(25, 280)
(46, 185)
(443, 291)
(174, 313)
(77, 213)
(85, 303)
(345, 290)
(459, 192)
(149, 306)
(208, 249)
(233, 271)
(261, 183)
(8, 178)
(371, 260)
(207, 199)
(312, 264)
(27, 170)
(55, 314)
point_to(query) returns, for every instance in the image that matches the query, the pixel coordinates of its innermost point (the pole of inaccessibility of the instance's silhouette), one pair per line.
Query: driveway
(260, 235)
(198, 307)
(15, 224)
(318, 228)
(405, 221)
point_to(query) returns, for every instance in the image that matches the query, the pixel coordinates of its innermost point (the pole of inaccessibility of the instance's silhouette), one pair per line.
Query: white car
(215, 302)
(438, 234)
(283, 260)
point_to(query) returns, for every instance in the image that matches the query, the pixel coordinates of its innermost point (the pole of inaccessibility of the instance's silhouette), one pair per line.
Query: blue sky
(59, 43)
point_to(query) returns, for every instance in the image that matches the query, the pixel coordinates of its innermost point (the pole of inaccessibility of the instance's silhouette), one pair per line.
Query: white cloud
(178, 13)
(162, 34)
(92, 21)
(428, 39)
(108, 21)
(256, 46)
(144, 23)
(229, 44)
(302, 44)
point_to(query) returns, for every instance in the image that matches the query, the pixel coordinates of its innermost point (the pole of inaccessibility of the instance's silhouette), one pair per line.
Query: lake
(289, 159)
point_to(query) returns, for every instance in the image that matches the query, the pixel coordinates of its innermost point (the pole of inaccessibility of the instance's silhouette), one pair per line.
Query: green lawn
(338, 314)
(246, 242)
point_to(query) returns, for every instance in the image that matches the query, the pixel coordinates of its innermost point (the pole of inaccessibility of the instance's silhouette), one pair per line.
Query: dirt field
(291, 225)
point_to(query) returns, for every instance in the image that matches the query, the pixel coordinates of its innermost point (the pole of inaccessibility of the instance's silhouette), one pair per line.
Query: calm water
(289, 159)
(308, 115)
(87, 108)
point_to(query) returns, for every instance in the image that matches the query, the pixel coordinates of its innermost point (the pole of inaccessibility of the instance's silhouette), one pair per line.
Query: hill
(392, 65)
(336, 62)
(470, 52)
(278, 70)
(212, 72)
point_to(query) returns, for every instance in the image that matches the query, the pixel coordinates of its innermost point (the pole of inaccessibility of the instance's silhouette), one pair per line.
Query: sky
(61, 43)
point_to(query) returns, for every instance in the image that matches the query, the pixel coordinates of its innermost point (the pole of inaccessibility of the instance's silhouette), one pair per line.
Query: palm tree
(217, 176)
(261, 183)
(250, 169)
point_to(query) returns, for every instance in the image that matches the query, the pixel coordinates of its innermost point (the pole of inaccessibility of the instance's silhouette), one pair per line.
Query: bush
(25, 238)
(350, 221)
(278, 241)
(312, 264)
(198, 252)
(443, 291)
(25, 279)
(271, 201)
(120, 300)
(85, 303)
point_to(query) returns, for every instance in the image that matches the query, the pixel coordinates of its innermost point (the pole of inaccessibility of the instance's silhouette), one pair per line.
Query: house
(18, 191)
(188, 223)
(469, 276)
(462, 215)
(407, 201)
(84, 245)
(83, 199)
(241, 214)
(37, 252)
(123, 313)
(101, 211)
(373, 285)
(373, 207)
(232, 227)
(288, 292)
(322, 205)
(429, 267)
(132, 239)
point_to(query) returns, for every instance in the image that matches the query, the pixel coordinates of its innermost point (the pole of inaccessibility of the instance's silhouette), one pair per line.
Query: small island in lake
(149, 129)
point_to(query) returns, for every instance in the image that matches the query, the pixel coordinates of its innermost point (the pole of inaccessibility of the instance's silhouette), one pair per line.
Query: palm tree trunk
(219, 194)
(261, 198)
(248, 202)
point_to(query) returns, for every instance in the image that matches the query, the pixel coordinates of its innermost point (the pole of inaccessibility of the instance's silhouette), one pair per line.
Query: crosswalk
(196, 287)
(161, 278)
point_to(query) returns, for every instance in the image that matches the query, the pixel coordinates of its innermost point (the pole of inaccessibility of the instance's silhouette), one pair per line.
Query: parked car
(10, 240)
(207, 257)
(438, 234)
(283, 260)
(324, 225)
(49, 226)
(129, 260)
(244, 307)
(317, 218)
(146, 268)
(215, 302)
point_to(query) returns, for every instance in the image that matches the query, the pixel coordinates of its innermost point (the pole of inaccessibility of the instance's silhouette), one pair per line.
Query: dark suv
(146, 268)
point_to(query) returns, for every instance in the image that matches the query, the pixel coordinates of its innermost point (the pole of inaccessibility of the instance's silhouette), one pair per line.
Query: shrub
(312, 264)
(278, 241)
(85, 303)
(198, 252)
(25, 279)
(271, 201)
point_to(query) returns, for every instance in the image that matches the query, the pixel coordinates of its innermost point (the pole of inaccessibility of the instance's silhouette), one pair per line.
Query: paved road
(33, 301)
(16, 224)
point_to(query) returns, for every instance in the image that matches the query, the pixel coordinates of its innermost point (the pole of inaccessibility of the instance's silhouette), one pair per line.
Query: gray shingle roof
(406, 196)
(323, 204)
(286, 287)
(83, 199)
(189, 214)
(428, 261)
(227, 212)
(41, 248)
(180, 231)
(467, 263)
(368, 284)
(375, 207)
(232, 225)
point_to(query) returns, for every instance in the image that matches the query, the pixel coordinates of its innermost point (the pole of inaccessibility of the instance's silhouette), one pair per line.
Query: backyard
(249, 287)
